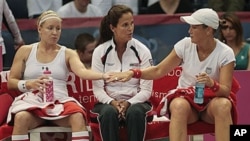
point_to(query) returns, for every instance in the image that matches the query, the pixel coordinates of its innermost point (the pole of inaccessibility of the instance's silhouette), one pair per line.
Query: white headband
(49, 16)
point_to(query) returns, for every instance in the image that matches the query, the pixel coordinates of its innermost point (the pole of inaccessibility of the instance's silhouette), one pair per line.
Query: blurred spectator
(169, 7)
(150, 2)
(227, 5)
(10, 22)
(85, 45)
(18, 8)
(79, 8)
(66, 1)
(105, 5)
(36, 7)
(231, 33)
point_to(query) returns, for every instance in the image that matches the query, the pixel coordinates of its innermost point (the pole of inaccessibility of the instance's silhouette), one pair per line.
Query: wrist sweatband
(137, 73)
(215, 87)
(22, 86)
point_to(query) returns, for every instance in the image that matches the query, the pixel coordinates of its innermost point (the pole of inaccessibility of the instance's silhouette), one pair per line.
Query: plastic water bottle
(48, 95)
(199, 93)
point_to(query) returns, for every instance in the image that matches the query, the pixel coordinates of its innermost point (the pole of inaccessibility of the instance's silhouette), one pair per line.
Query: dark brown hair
(236, 24)
(82, 40)
(113, 16)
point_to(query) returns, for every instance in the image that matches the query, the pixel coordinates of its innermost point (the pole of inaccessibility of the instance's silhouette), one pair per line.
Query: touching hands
(120, 76)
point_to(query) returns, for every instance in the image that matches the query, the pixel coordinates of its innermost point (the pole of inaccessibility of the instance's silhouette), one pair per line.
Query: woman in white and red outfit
(29, 110)
(203, 59)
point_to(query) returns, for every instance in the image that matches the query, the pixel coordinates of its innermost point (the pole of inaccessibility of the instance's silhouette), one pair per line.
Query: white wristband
(22, 86)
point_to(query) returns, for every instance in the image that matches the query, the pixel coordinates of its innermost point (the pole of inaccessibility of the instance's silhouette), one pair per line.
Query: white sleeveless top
(58, 68)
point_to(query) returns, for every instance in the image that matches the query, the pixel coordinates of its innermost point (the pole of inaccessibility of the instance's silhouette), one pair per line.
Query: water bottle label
(48, 91)
(199, 93)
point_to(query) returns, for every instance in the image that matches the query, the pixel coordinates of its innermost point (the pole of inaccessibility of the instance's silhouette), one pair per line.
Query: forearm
(12, 84)
(89, 74)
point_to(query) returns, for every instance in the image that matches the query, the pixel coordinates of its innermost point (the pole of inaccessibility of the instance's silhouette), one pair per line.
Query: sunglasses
(224, 27)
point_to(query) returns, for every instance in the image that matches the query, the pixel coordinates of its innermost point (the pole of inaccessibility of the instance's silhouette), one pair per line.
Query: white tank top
(58, 68)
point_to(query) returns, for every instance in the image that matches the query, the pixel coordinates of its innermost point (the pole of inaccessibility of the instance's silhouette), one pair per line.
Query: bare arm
(18, 66)
(153, 72)
(225, 81)
(79, 69)
(164, 67)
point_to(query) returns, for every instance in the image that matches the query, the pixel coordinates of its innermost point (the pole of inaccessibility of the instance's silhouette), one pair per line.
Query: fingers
(204, 78)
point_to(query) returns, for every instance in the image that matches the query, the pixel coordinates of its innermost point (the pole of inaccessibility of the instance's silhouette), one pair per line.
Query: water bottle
(48, 95)
(199, 93)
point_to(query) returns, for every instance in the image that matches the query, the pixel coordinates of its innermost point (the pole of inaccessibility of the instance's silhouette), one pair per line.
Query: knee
(77, 117)
(179, 106)
(221, 106)
(22, 117)
(134, 111)
(108, 112)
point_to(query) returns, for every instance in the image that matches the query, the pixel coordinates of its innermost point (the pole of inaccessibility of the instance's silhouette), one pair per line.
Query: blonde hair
(47, 15)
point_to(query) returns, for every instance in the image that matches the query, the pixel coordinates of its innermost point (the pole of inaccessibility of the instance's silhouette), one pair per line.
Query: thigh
(25, 118)
(102, 109)
(139, 107)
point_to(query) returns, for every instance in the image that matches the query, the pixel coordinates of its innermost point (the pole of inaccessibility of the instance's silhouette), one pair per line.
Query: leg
(24, 121)
(76, 121)
(108, 120)
(181, 115)
(136, 121)
(219, 113)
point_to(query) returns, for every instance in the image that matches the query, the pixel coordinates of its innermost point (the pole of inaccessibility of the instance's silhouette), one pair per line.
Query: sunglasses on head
(224, 27)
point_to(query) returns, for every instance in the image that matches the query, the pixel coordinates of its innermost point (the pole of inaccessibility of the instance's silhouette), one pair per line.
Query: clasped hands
(121, 106)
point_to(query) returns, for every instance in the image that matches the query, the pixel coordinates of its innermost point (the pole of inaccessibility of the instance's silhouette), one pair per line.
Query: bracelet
(215, 87)
(137, 73)
(22, 86)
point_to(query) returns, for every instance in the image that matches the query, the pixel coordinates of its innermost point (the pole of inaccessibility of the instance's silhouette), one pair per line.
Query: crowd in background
(32, 8)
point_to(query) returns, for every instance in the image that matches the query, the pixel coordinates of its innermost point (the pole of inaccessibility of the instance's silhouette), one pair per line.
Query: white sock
(80, 136)
(20, 138)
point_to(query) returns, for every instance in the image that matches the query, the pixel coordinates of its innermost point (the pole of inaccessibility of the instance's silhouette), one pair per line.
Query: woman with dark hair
(121, 103)
(231, 33)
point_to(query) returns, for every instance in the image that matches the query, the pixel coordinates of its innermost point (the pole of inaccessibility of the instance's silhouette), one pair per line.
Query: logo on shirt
(151, 62)
(208, 70)
(134, 65)
(110, 64)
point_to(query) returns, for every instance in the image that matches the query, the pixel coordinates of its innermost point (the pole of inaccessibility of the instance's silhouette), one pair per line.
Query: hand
(18, 44)
(120, 76)
(121, 106)
(204, 78)
(36, 84)
(106, 76)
